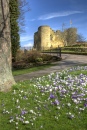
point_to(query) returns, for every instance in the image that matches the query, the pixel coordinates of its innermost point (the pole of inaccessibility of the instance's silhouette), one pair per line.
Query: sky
(54, 13)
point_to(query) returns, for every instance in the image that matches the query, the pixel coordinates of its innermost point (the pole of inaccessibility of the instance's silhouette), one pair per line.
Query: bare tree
(6, 78)
(23, 9)
(81, 38)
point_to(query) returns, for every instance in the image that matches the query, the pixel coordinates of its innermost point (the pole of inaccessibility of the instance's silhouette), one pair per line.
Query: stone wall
(45, 38)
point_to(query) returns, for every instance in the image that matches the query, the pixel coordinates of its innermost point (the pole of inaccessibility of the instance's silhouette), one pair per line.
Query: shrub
(20, 55)
(39, 59)
(46, 57)
(32, 56)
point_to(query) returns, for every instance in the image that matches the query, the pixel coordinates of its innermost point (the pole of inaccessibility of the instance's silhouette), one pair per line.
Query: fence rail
(58, 50)
(49, 50)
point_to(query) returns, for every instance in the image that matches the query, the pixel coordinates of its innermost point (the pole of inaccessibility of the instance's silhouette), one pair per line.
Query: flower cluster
(57, 94)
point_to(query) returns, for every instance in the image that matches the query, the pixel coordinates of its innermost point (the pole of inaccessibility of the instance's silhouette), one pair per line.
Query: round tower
(44, 35)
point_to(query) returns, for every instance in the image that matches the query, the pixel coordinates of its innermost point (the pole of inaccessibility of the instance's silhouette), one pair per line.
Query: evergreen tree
(18, 8)
(14, 15)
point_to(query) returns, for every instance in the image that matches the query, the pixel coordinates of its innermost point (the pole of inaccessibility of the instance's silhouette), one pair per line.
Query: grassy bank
(52, 102)
(28, 70)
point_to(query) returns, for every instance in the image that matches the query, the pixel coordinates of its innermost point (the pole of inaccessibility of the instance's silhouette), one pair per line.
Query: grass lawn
(57, 101)
(28, 70)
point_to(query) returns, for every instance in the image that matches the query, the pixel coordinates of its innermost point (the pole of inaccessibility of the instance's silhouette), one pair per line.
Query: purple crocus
(85, 105)
(25, 97)
(42, 91)
(74, 96)
(23, 112)
(52, 96)
(63, 91)
(56, 102)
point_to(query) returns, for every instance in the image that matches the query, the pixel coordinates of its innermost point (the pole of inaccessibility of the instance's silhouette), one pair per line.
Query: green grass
(67, 52)
(28, 70)
(78, 72)
(74, 52)
(45, 103)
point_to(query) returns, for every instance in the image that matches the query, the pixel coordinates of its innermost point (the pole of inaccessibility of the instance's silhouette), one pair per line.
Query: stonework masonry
(45, 38)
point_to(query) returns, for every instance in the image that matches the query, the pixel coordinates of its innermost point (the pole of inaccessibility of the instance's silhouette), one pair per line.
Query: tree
(23, 6)
(71, 36)
(17, 12)
(6, 78)
(15, 37)
(81, 38)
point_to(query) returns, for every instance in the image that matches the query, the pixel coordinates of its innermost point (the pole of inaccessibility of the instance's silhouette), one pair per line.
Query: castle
(45, 38)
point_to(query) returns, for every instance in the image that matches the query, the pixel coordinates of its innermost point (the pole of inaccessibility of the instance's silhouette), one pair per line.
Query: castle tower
(44, 36)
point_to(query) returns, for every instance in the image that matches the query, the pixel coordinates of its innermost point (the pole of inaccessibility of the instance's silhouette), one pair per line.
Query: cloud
(58, 14)
(25, 38)
(29, 44)
(32, 19)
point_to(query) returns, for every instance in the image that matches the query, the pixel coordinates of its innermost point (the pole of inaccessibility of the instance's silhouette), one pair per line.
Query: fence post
(59, 52)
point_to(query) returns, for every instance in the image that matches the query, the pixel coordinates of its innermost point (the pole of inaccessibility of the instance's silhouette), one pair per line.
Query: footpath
(68, 60)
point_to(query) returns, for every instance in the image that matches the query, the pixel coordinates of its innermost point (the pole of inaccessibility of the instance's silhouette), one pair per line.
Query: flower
(58, 107)
(26, 122)
(68, 104)
(16, 123)
(11, 120)
(85, 105)
(23, 112)
(52, 96)
(70, 115)
(56, 102)
(17, 100)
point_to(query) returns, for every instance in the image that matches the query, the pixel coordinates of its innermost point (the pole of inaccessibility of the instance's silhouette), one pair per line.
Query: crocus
(52, 96)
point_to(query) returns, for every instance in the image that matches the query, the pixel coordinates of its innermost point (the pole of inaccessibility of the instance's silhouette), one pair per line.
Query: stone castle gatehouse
(45, 38)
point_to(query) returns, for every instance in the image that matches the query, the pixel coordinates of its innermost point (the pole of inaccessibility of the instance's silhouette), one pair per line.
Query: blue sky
(54, 13)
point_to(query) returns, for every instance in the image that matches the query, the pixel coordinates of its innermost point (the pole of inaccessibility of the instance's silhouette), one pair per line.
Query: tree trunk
(6, 78)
